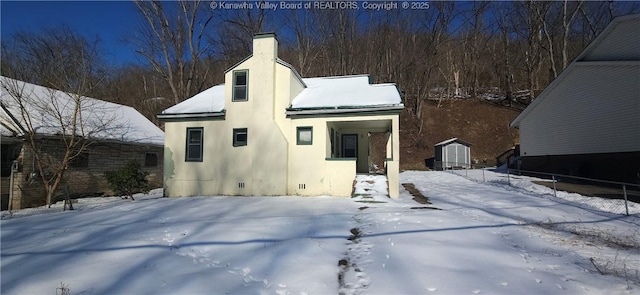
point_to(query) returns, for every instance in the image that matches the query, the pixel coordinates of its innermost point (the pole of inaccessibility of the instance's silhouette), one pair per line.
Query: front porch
(356, 143)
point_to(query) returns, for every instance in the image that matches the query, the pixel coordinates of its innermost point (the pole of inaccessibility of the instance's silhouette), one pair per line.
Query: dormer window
(240, 83)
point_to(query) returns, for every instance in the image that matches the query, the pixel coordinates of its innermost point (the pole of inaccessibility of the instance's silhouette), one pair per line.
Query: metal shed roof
(455, 139)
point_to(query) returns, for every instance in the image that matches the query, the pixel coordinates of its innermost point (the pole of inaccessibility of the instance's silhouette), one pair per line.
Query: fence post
(508, 178)
(553, 178)
(483, 179)
(624, 191)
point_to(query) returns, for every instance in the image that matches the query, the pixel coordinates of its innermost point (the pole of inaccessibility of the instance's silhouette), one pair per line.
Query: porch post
(393, 163)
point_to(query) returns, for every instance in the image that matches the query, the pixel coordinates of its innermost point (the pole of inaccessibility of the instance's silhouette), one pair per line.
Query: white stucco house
(587, 121)
(268, 131)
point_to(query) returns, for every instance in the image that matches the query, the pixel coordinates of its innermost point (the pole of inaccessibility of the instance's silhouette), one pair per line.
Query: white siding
(594, 109)
(621, 43)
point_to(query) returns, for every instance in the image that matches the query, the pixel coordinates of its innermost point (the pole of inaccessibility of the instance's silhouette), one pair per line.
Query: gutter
(291, 112)
(168, 117)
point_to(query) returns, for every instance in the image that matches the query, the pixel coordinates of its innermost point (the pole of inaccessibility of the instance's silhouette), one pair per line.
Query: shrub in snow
(129, 180)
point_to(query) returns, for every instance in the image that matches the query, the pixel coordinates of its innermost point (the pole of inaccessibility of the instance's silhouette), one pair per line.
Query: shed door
(451, 156)
(461, 155)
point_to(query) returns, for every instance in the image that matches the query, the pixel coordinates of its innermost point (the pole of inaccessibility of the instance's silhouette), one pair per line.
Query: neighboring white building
(587, 121)
(268, 131)
(453, 153)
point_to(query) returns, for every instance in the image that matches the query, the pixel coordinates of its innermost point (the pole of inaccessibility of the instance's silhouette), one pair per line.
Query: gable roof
(455, 139)
(617, 48)
(100, 119)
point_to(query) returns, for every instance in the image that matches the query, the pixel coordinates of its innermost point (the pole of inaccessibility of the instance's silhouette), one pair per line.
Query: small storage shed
(452, 154)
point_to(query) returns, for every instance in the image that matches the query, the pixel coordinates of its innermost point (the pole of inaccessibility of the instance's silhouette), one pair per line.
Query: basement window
(240, 137)
(240, 85)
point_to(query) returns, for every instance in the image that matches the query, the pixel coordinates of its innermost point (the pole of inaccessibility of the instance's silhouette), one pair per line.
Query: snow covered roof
(204, 104)
(346, 92)
(455, 139)
(321, 95)
(45, 108)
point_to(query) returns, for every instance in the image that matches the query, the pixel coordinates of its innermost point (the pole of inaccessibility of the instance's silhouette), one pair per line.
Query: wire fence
(607, 196)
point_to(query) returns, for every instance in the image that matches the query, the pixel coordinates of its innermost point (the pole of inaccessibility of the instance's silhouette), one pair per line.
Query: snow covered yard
(488, 238)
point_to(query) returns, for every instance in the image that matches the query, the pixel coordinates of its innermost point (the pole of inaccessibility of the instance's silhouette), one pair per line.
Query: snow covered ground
(487, 238)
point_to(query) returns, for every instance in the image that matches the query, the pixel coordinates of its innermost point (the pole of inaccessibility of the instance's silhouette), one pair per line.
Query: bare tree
(139, 87)
(529, 28)
(596, 15)
(557, 19)
(171, 41)
(235, 29)
(303, 26)
(569, 13)
(64, 114)
(474, 39)
(435, 26)
(56, 57)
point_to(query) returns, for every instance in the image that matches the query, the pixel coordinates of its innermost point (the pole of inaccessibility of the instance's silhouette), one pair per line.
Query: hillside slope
(483, 124)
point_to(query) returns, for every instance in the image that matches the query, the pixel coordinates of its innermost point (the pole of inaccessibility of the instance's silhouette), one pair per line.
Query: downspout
(14, 168)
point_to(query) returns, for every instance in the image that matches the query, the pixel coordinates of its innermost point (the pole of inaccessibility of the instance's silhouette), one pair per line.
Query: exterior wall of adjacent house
(586, 123)
(272, 163)
(86, 180)
(594, 110)
(590, 128)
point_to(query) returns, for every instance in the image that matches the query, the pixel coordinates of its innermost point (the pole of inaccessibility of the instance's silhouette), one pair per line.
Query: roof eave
(458, 140)
(328, 111)
(97, 140)
(238, 63)
(295, 73)
(180, 116)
